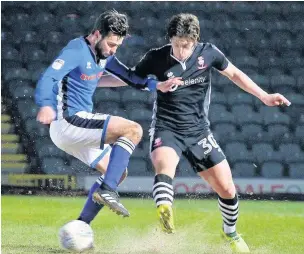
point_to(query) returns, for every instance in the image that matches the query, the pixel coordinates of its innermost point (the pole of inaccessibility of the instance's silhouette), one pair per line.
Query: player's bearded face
(182, 47)
(107, 46)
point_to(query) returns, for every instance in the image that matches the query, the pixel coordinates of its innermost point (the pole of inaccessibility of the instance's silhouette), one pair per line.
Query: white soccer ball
(76, 236)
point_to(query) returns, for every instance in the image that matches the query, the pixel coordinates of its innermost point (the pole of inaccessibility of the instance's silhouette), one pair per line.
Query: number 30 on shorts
(208, 143)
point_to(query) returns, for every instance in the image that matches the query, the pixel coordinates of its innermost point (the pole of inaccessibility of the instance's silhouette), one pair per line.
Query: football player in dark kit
(180, 122)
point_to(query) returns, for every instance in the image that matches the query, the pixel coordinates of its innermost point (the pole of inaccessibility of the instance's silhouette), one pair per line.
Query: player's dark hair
(184, 25)
(112, 21)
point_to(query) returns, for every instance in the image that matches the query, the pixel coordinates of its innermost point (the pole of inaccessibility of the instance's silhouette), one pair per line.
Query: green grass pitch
(30, 224)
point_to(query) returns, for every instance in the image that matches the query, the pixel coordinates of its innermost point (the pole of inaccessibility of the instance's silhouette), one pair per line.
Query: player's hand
(275, 99)
(169, 84)
(46, 115)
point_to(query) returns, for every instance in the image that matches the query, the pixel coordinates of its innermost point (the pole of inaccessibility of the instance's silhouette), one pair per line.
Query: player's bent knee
(134, 132)
(227, 192)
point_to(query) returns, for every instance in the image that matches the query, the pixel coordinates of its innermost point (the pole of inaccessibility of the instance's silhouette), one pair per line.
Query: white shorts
(82, 136)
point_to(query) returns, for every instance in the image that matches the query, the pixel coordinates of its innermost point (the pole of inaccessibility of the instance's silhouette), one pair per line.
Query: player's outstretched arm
(244, 82)
(110, 80)
(130, 77)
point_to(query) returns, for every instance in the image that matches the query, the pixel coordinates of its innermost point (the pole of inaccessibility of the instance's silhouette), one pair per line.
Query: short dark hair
(112, 21)
(184, 25)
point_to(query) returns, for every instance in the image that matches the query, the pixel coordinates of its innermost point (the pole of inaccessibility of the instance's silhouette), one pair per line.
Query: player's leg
(210, 162)
(220, 179)
(165, 156)
(124, 135)
(85, 131)
(91, 209)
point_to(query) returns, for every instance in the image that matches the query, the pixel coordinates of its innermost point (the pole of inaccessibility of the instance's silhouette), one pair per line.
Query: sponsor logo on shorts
(91, 77)
(157, 142)
(57, 64)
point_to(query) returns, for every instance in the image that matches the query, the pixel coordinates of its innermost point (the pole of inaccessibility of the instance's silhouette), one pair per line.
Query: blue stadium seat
(263, 152)
(276, 118)
(239, 98)
(297, 157)
(53, 166)
(243, 169)
(16, 74)
(78, 167)
(221, 117)
(50, 150)
(289, 150)
(138, 167)
(237, 152)
(107, 106)
(251, 130)
(27, 109)
(141, 114)
(299, 132)
(140, 153)
(283, 84)
(132, 99)
(106, 95)
(296, 170)
(272, 170)
(247, 62)
(184, 169)
(223, 129)
(218, 98)
(23, 92)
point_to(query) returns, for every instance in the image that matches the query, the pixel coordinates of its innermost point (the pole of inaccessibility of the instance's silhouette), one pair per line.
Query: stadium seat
(272, 170)
(137, 167)
(276, 118)
(184, 169)
(283, 84)
(239, 98)
(244, 169)
(141, 115)
(78, 167)
(296, 170)
(106, 95)
(23, 92)
(118, 112)
(140, 153)
(133, 99)
(297, 157)
(218, 98)
(53, 166)
(223, 129)
(16, 73)
(237, 152)
(299, 132)
(50, 151)
(263, 152)
(27, 109)
(106, 107)
(251, 130)
(289, 150)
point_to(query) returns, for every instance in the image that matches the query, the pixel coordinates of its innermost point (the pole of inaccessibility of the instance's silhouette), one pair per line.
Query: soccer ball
(76, 236)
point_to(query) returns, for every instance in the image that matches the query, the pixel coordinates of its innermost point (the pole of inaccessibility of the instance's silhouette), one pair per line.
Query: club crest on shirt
(201, 63)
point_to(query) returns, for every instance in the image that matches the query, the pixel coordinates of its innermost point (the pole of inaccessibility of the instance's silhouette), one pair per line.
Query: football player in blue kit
(64, 95)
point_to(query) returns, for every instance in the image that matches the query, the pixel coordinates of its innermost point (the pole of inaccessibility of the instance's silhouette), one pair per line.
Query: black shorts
(202, 151)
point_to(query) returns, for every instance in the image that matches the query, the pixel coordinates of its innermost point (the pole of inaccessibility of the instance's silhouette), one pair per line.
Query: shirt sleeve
(220, 62)
(146, 65)
(129, 76)
(67, 60)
